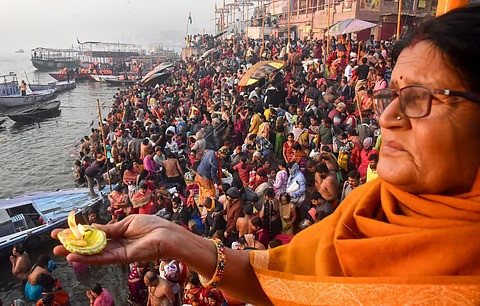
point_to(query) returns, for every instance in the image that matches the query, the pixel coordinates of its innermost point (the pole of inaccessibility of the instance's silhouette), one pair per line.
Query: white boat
(26, 218)
(10, 95)
(59, 86)
(34, 97)
(102, 78)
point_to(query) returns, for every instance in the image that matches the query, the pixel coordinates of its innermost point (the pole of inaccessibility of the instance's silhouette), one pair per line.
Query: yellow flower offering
(82, 239)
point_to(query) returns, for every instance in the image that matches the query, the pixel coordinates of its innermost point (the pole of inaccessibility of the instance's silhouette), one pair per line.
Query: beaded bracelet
(220, 269)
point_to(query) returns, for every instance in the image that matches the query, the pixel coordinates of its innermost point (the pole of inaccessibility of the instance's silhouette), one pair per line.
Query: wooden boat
(57, 86)
(40, 87)
(120, 82)
(31, 217)
(64, 85)
(40, 111)
(73, 76)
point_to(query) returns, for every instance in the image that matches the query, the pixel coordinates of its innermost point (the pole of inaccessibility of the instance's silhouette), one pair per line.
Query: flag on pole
(190, 17)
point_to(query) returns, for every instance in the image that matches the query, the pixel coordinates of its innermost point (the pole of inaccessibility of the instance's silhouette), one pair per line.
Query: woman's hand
(135, 238)
(90, 295)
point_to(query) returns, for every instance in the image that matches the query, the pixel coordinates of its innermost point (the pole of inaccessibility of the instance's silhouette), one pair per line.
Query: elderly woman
(410, 236)
(296, 184)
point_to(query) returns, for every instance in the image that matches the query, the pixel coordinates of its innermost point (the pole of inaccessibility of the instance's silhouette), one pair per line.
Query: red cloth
(355, 153)
(243, 172)
(362, 169)
(285, 239)
(144, 202)
(288, 151)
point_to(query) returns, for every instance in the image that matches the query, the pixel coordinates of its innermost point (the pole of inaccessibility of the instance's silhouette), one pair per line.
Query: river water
(40, 156)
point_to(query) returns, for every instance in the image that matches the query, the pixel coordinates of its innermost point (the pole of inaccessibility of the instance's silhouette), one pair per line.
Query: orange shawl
(381, 246)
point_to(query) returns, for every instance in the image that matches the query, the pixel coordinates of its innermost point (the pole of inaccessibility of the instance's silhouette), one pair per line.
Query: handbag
(295, 187)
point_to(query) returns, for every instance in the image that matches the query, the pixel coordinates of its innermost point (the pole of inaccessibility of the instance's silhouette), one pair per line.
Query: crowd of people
(251, 166)
(261, 165)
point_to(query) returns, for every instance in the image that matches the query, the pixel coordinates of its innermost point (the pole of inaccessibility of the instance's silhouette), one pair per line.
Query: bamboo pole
(288, 21)
(247, 26)
(328, 26)
(399, 23)
(104, 144)
(263, 29)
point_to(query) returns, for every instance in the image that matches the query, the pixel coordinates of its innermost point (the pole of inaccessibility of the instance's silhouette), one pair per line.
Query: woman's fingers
(60, 250)
(114, 253)
(55, 232)
(117, 229)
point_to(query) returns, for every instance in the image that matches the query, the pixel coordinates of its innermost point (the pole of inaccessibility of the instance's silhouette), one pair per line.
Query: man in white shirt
(348, 70)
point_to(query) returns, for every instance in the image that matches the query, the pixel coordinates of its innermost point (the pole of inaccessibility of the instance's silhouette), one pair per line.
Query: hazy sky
(27, 24)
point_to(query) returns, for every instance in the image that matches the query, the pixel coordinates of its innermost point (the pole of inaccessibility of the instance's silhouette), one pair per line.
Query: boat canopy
(55, 54)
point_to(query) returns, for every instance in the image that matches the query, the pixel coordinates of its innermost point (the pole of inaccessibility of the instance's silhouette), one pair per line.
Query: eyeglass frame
(471, 96)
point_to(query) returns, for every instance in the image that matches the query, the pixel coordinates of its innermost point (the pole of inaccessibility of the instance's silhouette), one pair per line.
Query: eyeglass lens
(381, 99)
(415, 101)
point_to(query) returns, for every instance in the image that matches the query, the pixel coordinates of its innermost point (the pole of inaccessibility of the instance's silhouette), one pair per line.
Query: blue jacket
(208, 167)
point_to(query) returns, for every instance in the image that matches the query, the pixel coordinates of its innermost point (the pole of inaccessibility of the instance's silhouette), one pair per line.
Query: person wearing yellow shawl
(409, 237)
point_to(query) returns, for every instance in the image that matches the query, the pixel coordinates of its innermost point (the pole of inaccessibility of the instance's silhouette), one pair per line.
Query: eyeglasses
(415, 100)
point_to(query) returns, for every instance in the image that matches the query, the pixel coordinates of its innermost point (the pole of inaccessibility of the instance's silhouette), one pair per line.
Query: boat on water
(102, 78)
(31, 217)
(73, 76)
(10, 95)
(121, 81)
(58, 86)
(47, 59)
(40, 87)
(20, 51)
(40, 111)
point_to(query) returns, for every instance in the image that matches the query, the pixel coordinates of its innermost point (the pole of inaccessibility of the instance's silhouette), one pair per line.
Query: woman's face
(290, 138)
(284, 200)
(437, 153)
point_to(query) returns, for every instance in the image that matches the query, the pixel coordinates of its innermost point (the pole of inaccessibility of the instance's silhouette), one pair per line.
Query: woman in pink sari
(136, 285)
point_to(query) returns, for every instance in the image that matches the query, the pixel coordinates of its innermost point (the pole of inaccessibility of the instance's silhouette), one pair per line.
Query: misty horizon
(58, 24)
